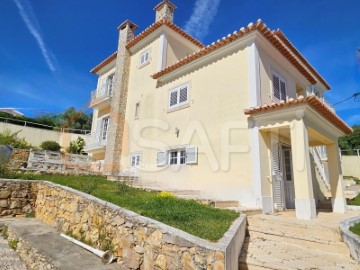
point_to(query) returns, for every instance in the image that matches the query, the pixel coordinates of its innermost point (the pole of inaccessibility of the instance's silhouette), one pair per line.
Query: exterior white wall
(351, 166)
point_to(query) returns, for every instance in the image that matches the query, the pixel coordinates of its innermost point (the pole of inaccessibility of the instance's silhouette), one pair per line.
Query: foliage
(50, 145)
(355, 229)
(165, 194)
(88, 186)
(355, 201)
(187, 215)
(11, 138)
(70, 118)
(351, 141)
(13, 244)
(76, 146)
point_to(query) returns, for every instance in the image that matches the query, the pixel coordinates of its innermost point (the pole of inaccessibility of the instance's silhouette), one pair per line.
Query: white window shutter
(183, 95)
(276, 86)
(173, 98)
(191, 155)
(161, 158)
(98, 130)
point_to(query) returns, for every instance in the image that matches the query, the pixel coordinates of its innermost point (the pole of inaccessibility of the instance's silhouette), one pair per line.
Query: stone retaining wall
(139, 242)
(351, 239)
(17, 198)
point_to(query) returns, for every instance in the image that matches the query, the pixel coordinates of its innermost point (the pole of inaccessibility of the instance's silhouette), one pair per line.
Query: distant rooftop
(12, 111)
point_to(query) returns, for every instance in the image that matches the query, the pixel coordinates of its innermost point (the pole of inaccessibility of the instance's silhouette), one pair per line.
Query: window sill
(178, 108)
(143, 65)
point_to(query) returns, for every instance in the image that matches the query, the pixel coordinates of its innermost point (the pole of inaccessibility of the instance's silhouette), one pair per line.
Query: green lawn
(355, 201)
(188, 215)
(355, 229)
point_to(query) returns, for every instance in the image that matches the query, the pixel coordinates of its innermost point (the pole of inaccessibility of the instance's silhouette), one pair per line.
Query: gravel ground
(9, 260)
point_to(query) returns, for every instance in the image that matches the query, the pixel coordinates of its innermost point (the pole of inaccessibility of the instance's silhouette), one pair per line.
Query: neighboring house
(240, 119)
(11, 111)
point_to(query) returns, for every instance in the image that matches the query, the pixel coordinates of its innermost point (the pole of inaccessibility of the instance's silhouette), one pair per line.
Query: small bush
(50, 145)
(122, 188)
(11, 138)
(165, 194)
(76, 146)
(13, 244)
(89, 185)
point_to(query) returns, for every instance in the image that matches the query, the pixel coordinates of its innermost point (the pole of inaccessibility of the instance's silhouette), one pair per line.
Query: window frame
(136, 157)
(146, 61)
(179, 158)
(177, 90)
(105, 121)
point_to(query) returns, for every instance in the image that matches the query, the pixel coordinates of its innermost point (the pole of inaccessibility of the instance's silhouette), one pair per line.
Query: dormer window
(145, 58)
(279, 87)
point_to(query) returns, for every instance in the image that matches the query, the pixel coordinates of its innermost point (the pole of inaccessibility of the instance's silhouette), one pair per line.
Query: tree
(350, 141)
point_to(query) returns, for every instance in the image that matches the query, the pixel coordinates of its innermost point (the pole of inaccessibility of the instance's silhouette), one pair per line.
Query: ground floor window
(135, 159)
(186, 155)
(177, 157)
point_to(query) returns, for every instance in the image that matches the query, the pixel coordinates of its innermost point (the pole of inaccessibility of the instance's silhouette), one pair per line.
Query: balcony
(93, 144)
(101, 97)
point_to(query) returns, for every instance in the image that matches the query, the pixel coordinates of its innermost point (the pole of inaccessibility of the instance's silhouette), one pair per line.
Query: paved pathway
(9, 260)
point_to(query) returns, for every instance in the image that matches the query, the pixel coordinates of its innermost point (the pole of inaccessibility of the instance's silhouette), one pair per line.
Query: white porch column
(304, 195)
(336, 179)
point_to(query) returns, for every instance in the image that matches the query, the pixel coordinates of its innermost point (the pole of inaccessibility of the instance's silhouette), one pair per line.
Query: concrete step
(336, 247)
(263, 254)
(50, 248)
(310, 232)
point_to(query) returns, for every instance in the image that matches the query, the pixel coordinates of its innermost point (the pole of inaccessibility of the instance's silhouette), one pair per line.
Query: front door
(288, 178)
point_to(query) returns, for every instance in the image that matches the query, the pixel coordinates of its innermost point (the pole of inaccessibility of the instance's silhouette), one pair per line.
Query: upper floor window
(145, 57)
(279, 87)
(179, 96)
(110, 84)
(137, 110)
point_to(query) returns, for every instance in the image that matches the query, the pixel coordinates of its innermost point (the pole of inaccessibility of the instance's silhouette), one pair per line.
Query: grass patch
(355, 229)
(188, 215)
(355, 201)
(13, 244)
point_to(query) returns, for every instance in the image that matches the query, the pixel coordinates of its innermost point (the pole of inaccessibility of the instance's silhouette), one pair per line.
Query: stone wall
(19, 158)
(17, 198)
(139, 242)
(351, 239)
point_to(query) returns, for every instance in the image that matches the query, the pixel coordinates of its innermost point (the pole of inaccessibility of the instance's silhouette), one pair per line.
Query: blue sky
(48, 46)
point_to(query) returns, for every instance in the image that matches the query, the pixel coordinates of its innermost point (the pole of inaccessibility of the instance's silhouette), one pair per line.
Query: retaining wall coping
(351, 239)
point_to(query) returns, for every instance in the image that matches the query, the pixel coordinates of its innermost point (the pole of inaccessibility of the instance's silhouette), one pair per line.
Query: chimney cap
(164, 2)
(132, 25)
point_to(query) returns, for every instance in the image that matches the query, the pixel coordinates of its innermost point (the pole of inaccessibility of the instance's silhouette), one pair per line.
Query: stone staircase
(281, 242)
(351, 188)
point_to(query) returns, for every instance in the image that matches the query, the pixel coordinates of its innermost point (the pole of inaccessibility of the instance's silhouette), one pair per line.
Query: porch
(287, 133)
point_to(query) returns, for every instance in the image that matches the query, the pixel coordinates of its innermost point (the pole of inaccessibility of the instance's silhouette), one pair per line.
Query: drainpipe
(107, 257)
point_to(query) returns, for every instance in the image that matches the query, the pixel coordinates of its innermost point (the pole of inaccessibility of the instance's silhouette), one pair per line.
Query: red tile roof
(157, 25)
(143, 35)
(313, 101)
(104, 63)
(276, 38)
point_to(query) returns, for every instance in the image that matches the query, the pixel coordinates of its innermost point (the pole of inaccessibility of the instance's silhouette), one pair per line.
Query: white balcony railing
(92, 142)
(103, 92)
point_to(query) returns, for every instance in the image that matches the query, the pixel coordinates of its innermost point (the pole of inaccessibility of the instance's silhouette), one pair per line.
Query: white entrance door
(288, 178)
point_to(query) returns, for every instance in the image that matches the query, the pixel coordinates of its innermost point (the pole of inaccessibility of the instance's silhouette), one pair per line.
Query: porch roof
(313, 101)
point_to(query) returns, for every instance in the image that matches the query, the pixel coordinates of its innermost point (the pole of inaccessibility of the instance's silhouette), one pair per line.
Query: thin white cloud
(32, 24)
(202, 16)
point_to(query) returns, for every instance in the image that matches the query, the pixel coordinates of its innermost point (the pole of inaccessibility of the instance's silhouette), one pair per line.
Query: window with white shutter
(279, 87)
(179, 96)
